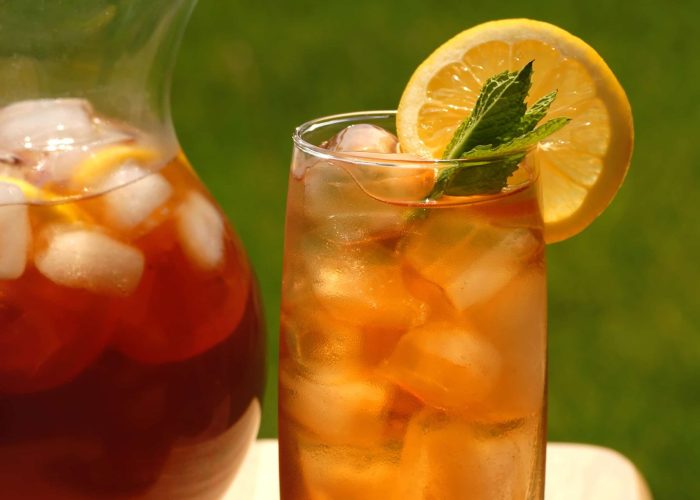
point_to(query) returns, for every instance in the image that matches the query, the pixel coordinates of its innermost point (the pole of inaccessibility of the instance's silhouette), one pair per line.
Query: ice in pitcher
(47, 125)
(44, 141)
(140, 195)
(59, 148)
(15, 231)
(90, 260)
(129, 339)
(91, 205)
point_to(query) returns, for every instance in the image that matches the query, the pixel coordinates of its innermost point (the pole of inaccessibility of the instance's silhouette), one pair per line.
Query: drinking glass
(131, 340)
(413, 332)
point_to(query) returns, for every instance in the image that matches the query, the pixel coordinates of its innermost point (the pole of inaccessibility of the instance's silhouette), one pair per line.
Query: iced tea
(413, 334)
(130, 331)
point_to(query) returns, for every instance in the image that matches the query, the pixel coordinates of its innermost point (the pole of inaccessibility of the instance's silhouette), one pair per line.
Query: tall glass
(413, 333)
(131, 341)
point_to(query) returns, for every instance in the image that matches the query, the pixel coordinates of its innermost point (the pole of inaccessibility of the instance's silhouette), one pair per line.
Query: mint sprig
(498, 111)
(499, 131)
(520, 143)
(536, 112)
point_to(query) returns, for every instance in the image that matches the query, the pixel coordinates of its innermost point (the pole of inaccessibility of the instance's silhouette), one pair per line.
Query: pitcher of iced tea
(131, 341)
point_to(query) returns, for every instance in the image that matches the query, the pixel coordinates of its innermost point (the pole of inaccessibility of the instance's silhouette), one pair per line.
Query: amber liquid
(413, 346)
(148, 394)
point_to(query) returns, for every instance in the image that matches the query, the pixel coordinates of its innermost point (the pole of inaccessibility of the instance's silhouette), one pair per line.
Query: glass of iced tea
(413, 331)
(131, 341)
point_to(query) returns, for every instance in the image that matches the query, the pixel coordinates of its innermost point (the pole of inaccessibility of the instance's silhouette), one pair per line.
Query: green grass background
(624, 295)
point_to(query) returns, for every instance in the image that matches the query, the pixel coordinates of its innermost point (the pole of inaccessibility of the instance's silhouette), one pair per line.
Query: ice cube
(201, 229)
(136, 195)
(317, 343)
(60, 166)
(348, 472)
(15, 232)
(46, 124)
(394, 178)
(342, 211)
(445, 457)
(470, 259)
(363, 285)
(515, 322)
(448, 366)
(363, 137)
(88, 259)
(359, 198)
(348, 410)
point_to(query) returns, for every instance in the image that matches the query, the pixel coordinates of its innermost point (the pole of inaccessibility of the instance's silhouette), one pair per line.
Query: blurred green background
(624, 295)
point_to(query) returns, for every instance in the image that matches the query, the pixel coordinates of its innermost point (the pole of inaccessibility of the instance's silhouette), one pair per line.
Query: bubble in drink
(201, 230)
(15, 232)
(90, 260)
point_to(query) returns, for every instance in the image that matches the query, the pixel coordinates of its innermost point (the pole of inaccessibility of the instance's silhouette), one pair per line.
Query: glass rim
(371, 159)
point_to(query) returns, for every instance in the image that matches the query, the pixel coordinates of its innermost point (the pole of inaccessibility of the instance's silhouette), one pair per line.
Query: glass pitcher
(131, 340)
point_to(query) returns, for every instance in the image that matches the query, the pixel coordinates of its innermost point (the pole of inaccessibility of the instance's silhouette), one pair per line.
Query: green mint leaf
(497, 113)
(486, 96)
(537, 111)
(483, 101)
(518, 144)
(495, 136)
(487, 177)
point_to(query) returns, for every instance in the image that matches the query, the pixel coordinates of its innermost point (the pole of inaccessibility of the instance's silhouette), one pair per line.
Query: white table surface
(574, 472)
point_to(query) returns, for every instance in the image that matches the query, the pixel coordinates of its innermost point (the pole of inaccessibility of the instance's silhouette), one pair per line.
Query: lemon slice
(59, 211)
(31, 192)
(581, 166)
(104, 161)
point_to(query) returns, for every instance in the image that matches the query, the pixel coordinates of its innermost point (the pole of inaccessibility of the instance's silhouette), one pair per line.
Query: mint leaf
(496, 136)
(536, 112)
(518, 144)
(487, 177)
(497, 112)
(485, 97)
